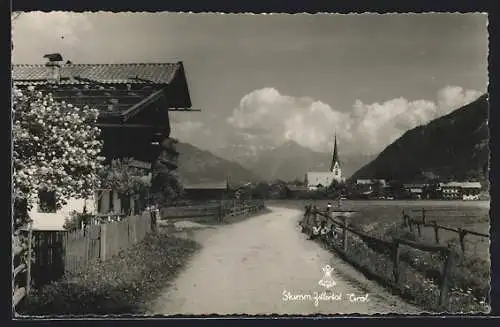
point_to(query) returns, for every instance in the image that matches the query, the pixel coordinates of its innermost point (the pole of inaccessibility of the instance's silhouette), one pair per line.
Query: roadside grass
(121, 285)
(469, 279)
(419, 278)
(420, 272)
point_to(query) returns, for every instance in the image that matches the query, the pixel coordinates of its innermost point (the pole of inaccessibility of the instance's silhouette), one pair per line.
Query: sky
(261, 80)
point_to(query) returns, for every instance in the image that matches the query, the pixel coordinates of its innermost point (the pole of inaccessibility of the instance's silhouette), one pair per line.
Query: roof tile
(158, 73)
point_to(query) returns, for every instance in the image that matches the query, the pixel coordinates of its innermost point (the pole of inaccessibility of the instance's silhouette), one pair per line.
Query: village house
(206, 191)
(460, 190)
(318, 180)
(416, 190)
(134, 101)
(364, 182)
(371, 182)
(296, 191)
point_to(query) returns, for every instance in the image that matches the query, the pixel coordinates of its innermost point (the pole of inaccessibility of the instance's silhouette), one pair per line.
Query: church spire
(335, 157)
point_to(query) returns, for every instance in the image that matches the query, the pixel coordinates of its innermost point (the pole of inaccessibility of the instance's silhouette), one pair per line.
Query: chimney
(54, 65)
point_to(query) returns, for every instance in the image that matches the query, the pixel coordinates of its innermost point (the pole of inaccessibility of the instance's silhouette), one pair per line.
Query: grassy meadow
(470, 277)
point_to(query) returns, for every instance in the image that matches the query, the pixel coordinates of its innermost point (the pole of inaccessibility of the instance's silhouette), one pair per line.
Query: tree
(261, 191)
(377, 188)
(55, 149)
(336, 189)
(126, 180)
(166, 187)
(297, 182)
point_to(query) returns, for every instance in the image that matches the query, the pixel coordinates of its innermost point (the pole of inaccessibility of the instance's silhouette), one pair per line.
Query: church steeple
(335, 157)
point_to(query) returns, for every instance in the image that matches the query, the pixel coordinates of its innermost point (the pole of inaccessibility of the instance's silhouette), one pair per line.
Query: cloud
(452, 97)
(188, 130)
(281, 117)
(37, 33)
(367, 128)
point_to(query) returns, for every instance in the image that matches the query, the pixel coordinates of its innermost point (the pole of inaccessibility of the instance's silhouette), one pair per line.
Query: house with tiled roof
(206, 191)
(133, 99)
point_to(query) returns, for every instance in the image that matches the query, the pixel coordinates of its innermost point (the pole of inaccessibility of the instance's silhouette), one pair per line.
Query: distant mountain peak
(289, 143)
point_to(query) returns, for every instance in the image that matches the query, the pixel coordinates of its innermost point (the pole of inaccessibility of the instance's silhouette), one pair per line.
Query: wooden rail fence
(215, 211)
(342, 224)
(419, 223)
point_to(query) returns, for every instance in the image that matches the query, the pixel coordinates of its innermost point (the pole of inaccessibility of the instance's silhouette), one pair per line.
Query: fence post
(395, 255)
(102, 242)
(129, 234)
(423, 216)
(410, 225)
(221, 212)
(436, 231)
(461, 236)
(443, 295)
(419, 229)
(344, 239)
(28, 262)
(403, 214)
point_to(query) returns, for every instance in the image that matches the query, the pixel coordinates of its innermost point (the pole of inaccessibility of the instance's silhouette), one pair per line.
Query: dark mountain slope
(454, 146)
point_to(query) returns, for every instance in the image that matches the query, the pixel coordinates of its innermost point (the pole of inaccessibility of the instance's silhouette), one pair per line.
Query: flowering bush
(55, 148)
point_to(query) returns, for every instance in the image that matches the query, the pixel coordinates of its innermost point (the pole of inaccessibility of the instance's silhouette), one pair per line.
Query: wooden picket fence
(59, 252)
(341, 224)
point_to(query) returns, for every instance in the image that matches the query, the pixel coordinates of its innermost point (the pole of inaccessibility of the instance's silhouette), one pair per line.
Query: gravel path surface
(265, 265)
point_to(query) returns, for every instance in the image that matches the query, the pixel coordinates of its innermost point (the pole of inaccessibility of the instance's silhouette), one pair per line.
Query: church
(316, 180)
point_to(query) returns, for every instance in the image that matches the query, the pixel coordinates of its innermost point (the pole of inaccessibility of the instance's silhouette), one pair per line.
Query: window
(47, 201)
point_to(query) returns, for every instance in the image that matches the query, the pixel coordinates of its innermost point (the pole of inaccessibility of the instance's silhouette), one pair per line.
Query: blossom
(55, 147)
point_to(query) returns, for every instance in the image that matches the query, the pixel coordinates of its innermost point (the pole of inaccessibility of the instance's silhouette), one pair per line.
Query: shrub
(120, 285)
(76, 220)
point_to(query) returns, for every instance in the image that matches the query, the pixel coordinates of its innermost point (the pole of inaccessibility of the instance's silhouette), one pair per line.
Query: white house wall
(55, 221)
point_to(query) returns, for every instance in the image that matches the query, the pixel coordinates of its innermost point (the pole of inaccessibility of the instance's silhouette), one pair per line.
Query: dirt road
(265, 265)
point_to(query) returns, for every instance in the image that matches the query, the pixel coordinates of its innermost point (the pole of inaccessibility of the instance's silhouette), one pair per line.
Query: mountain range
(199, 166)
(291, 161)
(287, 162)
(452, 147)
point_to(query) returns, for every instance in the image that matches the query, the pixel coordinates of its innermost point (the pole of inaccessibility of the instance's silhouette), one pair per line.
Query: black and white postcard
(250, 164)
